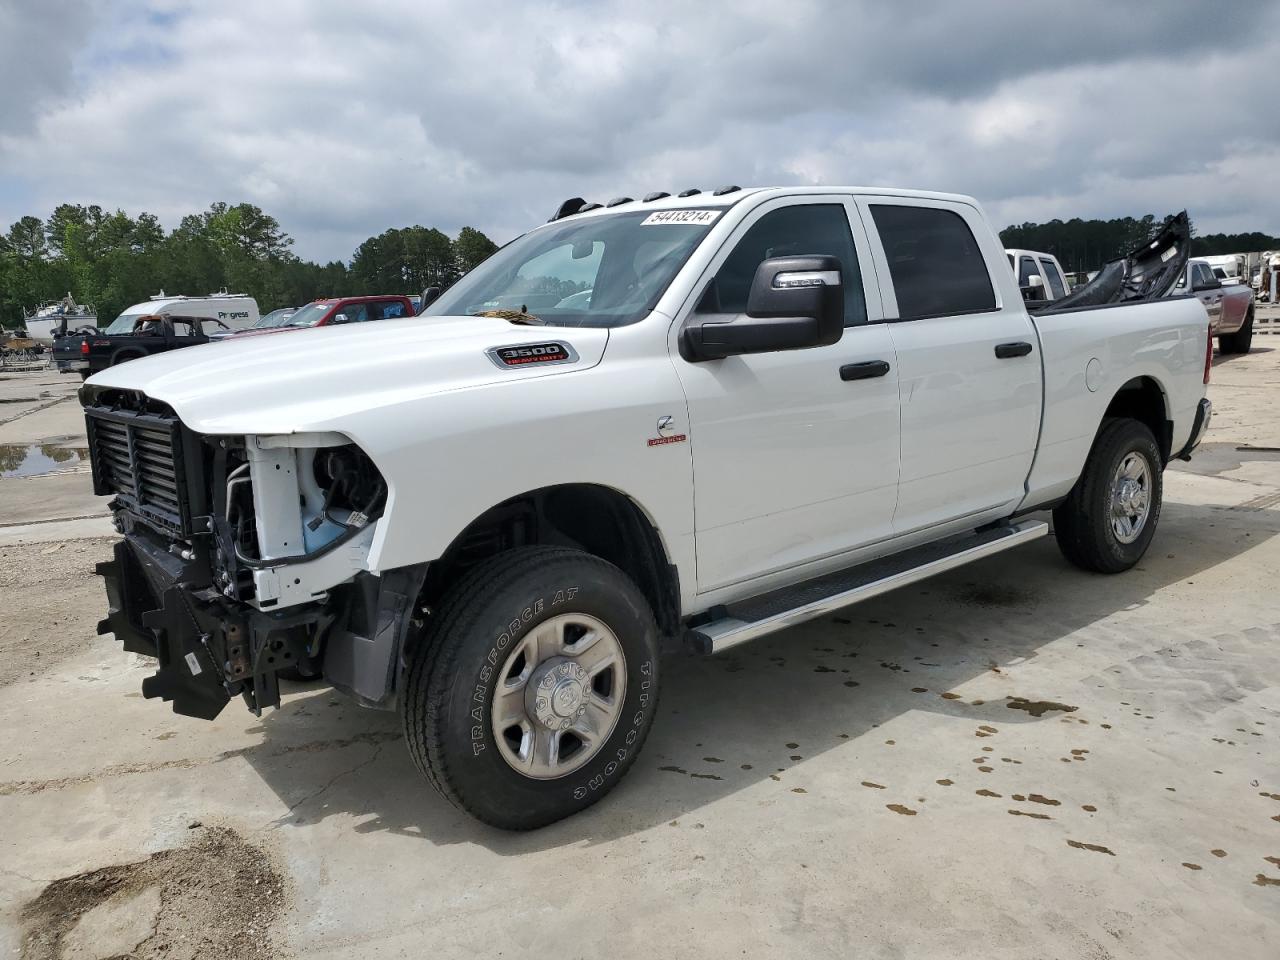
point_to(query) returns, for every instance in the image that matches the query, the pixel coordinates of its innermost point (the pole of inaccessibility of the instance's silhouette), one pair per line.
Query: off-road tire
(454, 669)
(1241, 340)
(1082, 523)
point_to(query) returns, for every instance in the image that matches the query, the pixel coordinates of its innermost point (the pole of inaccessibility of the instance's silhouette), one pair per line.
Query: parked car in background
(234, 311)
(1229, 268)
(1040, 275)
(1229, 305)
(340, 310)
(774, 403)
(158, 333)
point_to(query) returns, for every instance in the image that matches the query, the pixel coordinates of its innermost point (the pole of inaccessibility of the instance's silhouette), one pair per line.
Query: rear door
(1053, 277)
(968, 363)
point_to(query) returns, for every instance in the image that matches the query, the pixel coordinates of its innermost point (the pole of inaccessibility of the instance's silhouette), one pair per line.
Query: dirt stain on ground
(908, 812)
(706, 776)
(219, 898)
(944, 783)
(1218, 853)
(1027, 813)
(986, 793)
(1192, 866)
(674, 769)
(873, 786)
(1264, 881)
(1038, 798)
(1096, 848)
(1038, 708)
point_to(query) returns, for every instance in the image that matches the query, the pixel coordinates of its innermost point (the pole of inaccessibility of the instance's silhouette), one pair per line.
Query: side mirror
(1206, 285)
(1033, 289)
(794, 303)
(339, 318)
(429, 296)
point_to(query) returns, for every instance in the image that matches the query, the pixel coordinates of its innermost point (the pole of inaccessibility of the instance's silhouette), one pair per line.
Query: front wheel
(1107, 522)
(534, 688)
(1241, 340)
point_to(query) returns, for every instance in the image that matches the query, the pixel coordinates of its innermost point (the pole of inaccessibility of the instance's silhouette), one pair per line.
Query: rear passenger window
(934, 261)
(797, 231)
(389, 310)
(1054, 279)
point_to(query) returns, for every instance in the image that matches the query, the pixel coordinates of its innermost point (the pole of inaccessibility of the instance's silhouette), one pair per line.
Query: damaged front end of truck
(244, 558)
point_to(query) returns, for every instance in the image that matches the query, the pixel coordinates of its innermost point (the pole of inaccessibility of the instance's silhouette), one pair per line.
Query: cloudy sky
(348, 117)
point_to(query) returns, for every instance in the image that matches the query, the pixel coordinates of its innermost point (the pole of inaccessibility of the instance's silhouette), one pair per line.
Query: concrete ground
(1015, 760)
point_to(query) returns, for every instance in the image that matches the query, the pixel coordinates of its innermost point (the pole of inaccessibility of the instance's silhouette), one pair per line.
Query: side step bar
(789, 606)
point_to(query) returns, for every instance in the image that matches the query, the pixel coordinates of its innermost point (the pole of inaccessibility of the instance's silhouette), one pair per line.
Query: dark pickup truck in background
(88, 353)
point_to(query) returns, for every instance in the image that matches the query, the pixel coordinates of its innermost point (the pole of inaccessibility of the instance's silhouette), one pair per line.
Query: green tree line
(113, 260)
(1082, 245)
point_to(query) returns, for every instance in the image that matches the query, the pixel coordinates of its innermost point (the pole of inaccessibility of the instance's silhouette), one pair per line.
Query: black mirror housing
(794, 303)
(1214, 284)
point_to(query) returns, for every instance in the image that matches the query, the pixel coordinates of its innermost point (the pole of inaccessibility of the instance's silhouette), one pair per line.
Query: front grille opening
(137, 456)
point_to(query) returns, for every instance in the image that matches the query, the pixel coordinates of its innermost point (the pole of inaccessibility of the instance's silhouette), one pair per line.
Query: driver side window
(800, 230)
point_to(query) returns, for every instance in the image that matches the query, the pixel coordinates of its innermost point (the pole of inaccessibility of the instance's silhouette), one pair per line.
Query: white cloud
(344, 119)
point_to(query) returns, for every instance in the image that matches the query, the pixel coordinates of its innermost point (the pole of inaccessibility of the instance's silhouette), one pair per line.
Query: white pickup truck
(693, 419)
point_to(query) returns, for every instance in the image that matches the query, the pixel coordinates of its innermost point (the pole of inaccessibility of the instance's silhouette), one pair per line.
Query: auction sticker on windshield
(697, 217)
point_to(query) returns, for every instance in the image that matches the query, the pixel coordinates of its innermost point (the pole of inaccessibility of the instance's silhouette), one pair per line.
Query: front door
(795, 452)
(968, 366)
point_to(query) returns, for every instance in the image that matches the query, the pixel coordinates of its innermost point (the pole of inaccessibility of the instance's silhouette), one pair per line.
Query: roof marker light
(657, 195)
(691, 192)
(721, 191)
(568, 208)
(618, 201)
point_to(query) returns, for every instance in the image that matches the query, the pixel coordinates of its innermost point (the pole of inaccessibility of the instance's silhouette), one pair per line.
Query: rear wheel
(535, 687)
(1241, 340)
(1108, 520)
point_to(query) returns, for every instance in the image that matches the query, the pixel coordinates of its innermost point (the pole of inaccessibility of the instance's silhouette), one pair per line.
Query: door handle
(1018, 349)
(864, 371)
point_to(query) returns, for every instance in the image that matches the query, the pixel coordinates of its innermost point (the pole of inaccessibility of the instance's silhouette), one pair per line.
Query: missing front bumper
(208, 649)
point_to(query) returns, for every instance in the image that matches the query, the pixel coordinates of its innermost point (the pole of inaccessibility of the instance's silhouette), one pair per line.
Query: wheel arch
(598, 519)
(1143, 398)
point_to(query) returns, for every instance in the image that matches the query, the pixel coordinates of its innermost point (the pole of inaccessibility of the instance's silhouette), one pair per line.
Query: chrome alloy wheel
(1130, 497)
(558, 696)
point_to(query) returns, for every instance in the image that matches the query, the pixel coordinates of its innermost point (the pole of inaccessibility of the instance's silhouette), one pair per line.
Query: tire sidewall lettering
(490, 670)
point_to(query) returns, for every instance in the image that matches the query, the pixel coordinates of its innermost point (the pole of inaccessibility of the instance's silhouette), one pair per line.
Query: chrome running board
(748, 619)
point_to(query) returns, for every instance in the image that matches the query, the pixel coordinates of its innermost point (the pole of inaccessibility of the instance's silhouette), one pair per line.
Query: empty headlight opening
(338, 493)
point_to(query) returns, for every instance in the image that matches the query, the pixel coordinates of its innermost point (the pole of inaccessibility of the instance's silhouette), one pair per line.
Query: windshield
(274, 319)
(308, 316)
(603, 271)
(123, 323)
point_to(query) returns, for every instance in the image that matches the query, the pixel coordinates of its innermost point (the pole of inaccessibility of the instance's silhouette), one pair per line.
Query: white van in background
(237, 310)
(1040, 275)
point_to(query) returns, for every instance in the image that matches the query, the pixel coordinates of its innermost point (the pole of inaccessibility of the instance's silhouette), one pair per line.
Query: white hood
(306, 380)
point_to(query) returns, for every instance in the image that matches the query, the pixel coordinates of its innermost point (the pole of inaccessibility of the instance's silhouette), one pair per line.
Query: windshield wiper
(514, 316)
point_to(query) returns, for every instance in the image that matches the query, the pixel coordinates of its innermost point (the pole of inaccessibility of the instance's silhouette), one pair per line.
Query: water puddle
(38, 459)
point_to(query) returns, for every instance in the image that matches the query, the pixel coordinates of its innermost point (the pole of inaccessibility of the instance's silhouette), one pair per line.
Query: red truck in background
(335, 310)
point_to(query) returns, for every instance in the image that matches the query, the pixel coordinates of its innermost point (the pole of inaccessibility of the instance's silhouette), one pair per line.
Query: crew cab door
(968, 361)
(795, 452)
